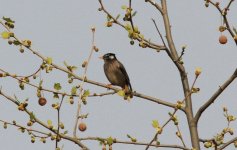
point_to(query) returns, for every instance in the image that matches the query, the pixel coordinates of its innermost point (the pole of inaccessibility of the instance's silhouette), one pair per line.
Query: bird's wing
(122, 69)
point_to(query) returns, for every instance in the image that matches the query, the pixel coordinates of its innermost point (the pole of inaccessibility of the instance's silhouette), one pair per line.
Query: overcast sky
(61, 29)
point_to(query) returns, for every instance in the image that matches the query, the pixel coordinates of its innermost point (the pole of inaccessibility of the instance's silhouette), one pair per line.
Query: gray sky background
(61, 29)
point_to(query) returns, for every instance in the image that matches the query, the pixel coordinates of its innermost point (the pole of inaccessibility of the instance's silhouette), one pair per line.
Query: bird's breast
(114, 74)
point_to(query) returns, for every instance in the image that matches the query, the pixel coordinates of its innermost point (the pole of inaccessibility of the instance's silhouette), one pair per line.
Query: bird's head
(108, 56)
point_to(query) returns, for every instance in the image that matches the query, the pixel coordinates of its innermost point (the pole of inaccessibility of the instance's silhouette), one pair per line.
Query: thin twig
(163, 41)
(28, 76)
(152, 2)
(180, 136)
(102, 94)
(136, 143)
(228, 6)
(149, 43)
(36, 86)
(228, 143)
(28, 129)
(181, 55)
(215, 96)
(130, 14)
(58, 112)
(82, 83)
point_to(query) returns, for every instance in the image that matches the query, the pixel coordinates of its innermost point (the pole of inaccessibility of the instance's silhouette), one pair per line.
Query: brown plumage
(116, 73)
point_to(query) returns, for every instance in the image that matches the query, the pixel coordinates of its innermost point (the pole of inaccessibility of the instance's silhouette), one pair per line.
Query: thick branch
(184, 78)
(214, 96)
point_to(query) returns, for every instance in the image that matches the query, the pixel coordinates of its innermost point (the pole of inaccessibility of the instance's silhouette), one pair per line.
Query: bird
(116, 73)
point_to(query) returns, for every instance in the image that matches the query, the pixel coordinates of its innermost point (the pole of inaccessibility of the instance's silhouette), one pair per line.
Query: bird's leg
(127, 93)
(126, 96)
(126, 90)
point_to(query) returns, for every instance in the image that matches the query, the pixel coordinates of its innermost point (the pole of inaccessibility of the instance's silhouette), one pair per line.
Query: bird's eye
(111, 57)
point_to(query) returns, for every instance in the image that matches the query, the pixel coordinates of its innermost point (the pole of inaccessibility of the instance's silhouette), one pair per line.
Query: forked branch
(215, 96)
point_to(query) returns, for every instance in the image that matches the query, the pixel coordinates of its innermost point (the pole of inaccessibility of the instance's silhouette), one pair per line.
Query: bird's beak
(101, 57)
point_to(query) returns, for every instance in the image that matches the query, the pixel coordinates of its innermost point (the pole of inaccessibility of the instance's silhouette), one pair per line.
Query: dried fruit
(42, 101)
(82, 127)
(223, 39)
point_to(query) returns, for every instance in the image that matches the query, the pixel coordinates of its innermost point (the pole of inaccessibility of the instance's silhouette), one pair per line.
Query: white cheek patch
(111, 57)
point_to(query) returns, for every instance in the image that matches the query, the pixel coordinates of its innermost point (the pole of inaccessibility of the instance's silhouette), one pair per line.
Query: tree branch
(224, 15)
(58, 112)
(156, 5)
(172, 115)
(214, 96)
(25, 128)
(137, 143)
(157, 29)
(130, 14)
(184, 78)
(153, 99)
(35, 73)
(35, 86)
(76, 141)
(180, 136)
(149, 43)
(228, 143)
(102, 94)
(83, 81)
